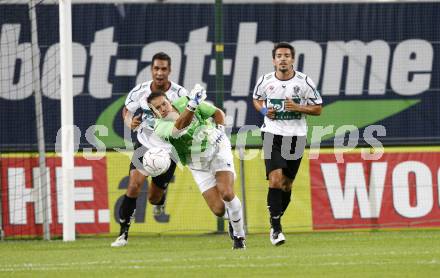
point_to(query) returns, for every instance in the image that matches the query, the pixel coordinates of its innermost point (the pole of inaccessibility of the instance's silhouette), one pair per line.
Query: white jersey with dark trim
(300, 88)
(137, 99)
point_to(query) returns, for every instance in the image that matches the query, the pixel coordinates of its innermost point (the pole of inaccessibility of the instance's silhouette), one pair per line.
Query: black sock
(274, 203)
(126, 212)
(285, 197)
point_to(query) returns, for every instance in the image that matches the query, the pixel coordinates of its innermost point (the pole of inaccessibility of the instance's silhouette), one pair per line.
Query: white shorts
(221, 161)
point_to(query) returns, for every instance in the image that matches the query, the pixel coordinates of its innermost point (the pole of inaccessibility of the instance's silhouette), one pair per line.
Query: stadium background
(374, 64)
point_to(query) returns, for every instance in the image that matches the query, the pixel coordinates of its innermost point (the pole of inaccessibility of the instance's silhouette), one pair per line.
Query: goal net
(28, 72)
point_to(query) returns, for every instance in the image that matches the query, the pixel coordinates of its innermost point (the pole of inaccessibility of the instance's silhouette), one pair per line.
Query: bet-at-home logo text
(404, 69)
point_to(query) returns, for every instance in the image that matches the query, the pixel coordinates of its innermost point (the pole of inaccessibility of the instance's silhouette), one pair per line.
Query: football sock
(285, 197)
(126, 213)
(274, 203)
(236, 216)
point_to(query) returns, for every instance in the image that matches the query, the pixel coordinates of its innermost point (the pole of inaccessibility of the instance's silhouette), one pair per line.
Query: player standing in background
(283, 97)
(205, 148)
(143, 124)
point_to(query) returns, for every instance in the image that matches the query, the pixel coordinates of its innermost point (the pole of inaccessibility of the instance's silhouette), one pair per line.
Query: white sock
(236, 216)
(226, 215)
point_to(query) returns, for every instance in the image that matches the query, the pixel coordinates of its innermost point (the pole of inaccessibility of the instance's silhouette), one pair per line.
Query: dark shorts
(282, 152)
(161, 181)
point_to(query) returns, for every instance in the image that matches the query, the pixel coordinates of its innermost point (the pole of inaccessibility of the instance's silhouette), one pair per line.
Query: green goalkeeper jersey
(193, 141)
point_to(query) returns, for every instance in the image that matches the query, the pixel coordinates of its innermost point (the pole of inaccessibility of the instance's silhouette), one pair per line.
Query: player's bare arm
(259, 106)
(184, 119)
(219, 117)
(196, 96)
(129, 120)
(290, 105)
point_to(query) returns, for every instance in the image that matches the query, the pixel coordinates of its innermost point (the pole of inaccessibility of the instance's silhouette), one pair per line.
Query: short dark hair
(154, 95)
(161, 56)
(283, 45)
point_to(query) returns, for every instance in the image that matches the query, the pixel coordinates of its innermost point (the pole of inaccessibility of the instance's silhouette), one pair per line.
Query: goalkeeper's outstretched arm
(196, 96)
(219, 117)
(184, 119)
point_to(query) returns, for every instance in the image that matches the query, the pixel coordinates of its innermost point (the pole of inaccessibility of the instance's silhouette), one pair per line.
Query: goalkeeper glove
(216, 135)
(196, 96)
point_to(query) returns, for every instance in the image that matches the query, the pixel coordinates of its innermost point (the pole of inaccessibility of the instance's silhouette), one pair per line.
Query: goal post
(67, 128)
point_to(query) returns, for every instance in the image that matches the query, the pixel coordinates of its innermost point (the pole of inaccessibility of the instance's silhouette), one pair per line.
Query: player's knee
(287, 187)
(276, 182)
(133, 189)
(276, 179)
(227, 195)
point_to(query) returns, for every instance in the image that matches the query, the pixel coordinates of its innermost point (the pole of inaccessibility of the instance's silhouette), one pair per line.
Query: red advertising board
(398, 190)
(22, 201)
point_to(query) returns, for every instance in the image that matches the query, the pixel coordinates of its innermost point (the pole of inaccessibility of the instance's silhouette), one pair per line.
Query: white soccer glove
(196, 96)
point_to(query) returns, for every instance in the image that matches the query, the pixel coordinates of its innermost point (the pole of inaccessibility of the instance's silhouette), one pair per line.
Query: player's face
(160, 70)
(283, 61)
(162, 105)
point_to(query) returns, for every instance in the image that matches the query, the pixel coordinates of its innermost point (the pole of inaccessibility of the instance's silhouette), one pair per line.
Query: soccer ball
(156, 161)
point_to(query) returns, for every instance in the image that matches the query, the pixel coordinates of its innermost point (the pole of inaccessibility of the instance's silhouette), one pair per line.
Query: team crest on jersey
(271, 87)
(296, 90)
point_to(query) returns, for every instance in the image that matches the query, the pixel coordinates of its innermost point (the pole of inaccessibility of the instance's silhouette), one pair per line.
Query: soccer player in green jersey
(144, 140)
(196, 131)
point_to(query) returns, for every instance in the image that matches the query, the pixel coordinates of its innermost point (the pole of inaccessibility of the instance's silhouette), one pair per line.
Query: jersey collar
(169, 86)
(293, 76)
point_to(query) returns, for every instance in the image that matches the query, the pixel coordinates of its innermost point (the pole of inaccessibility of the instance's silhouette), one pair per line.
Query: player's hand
(271, 113)
(135, 121)
(290, 105)
(196, 96)
(215, 135)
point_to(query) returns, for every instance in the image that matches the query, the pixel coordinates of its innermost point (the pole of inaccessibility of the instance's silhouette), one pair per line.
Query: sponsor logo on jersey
(277, 104)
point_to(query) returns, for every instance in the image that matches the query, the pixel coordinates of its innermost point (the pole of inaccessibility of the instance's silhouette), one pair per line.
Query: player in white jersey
(284, 98)
(143, 125)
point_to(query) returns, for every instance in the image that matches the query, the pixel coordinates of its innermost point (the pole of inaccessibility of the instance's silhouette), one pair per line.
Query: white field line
(238, 262)
(222, 266)
(371, 238)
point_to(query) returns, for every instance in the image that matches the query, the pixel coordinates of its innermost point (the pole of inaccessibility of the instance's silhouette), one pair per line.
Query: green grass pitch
(408, 253)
